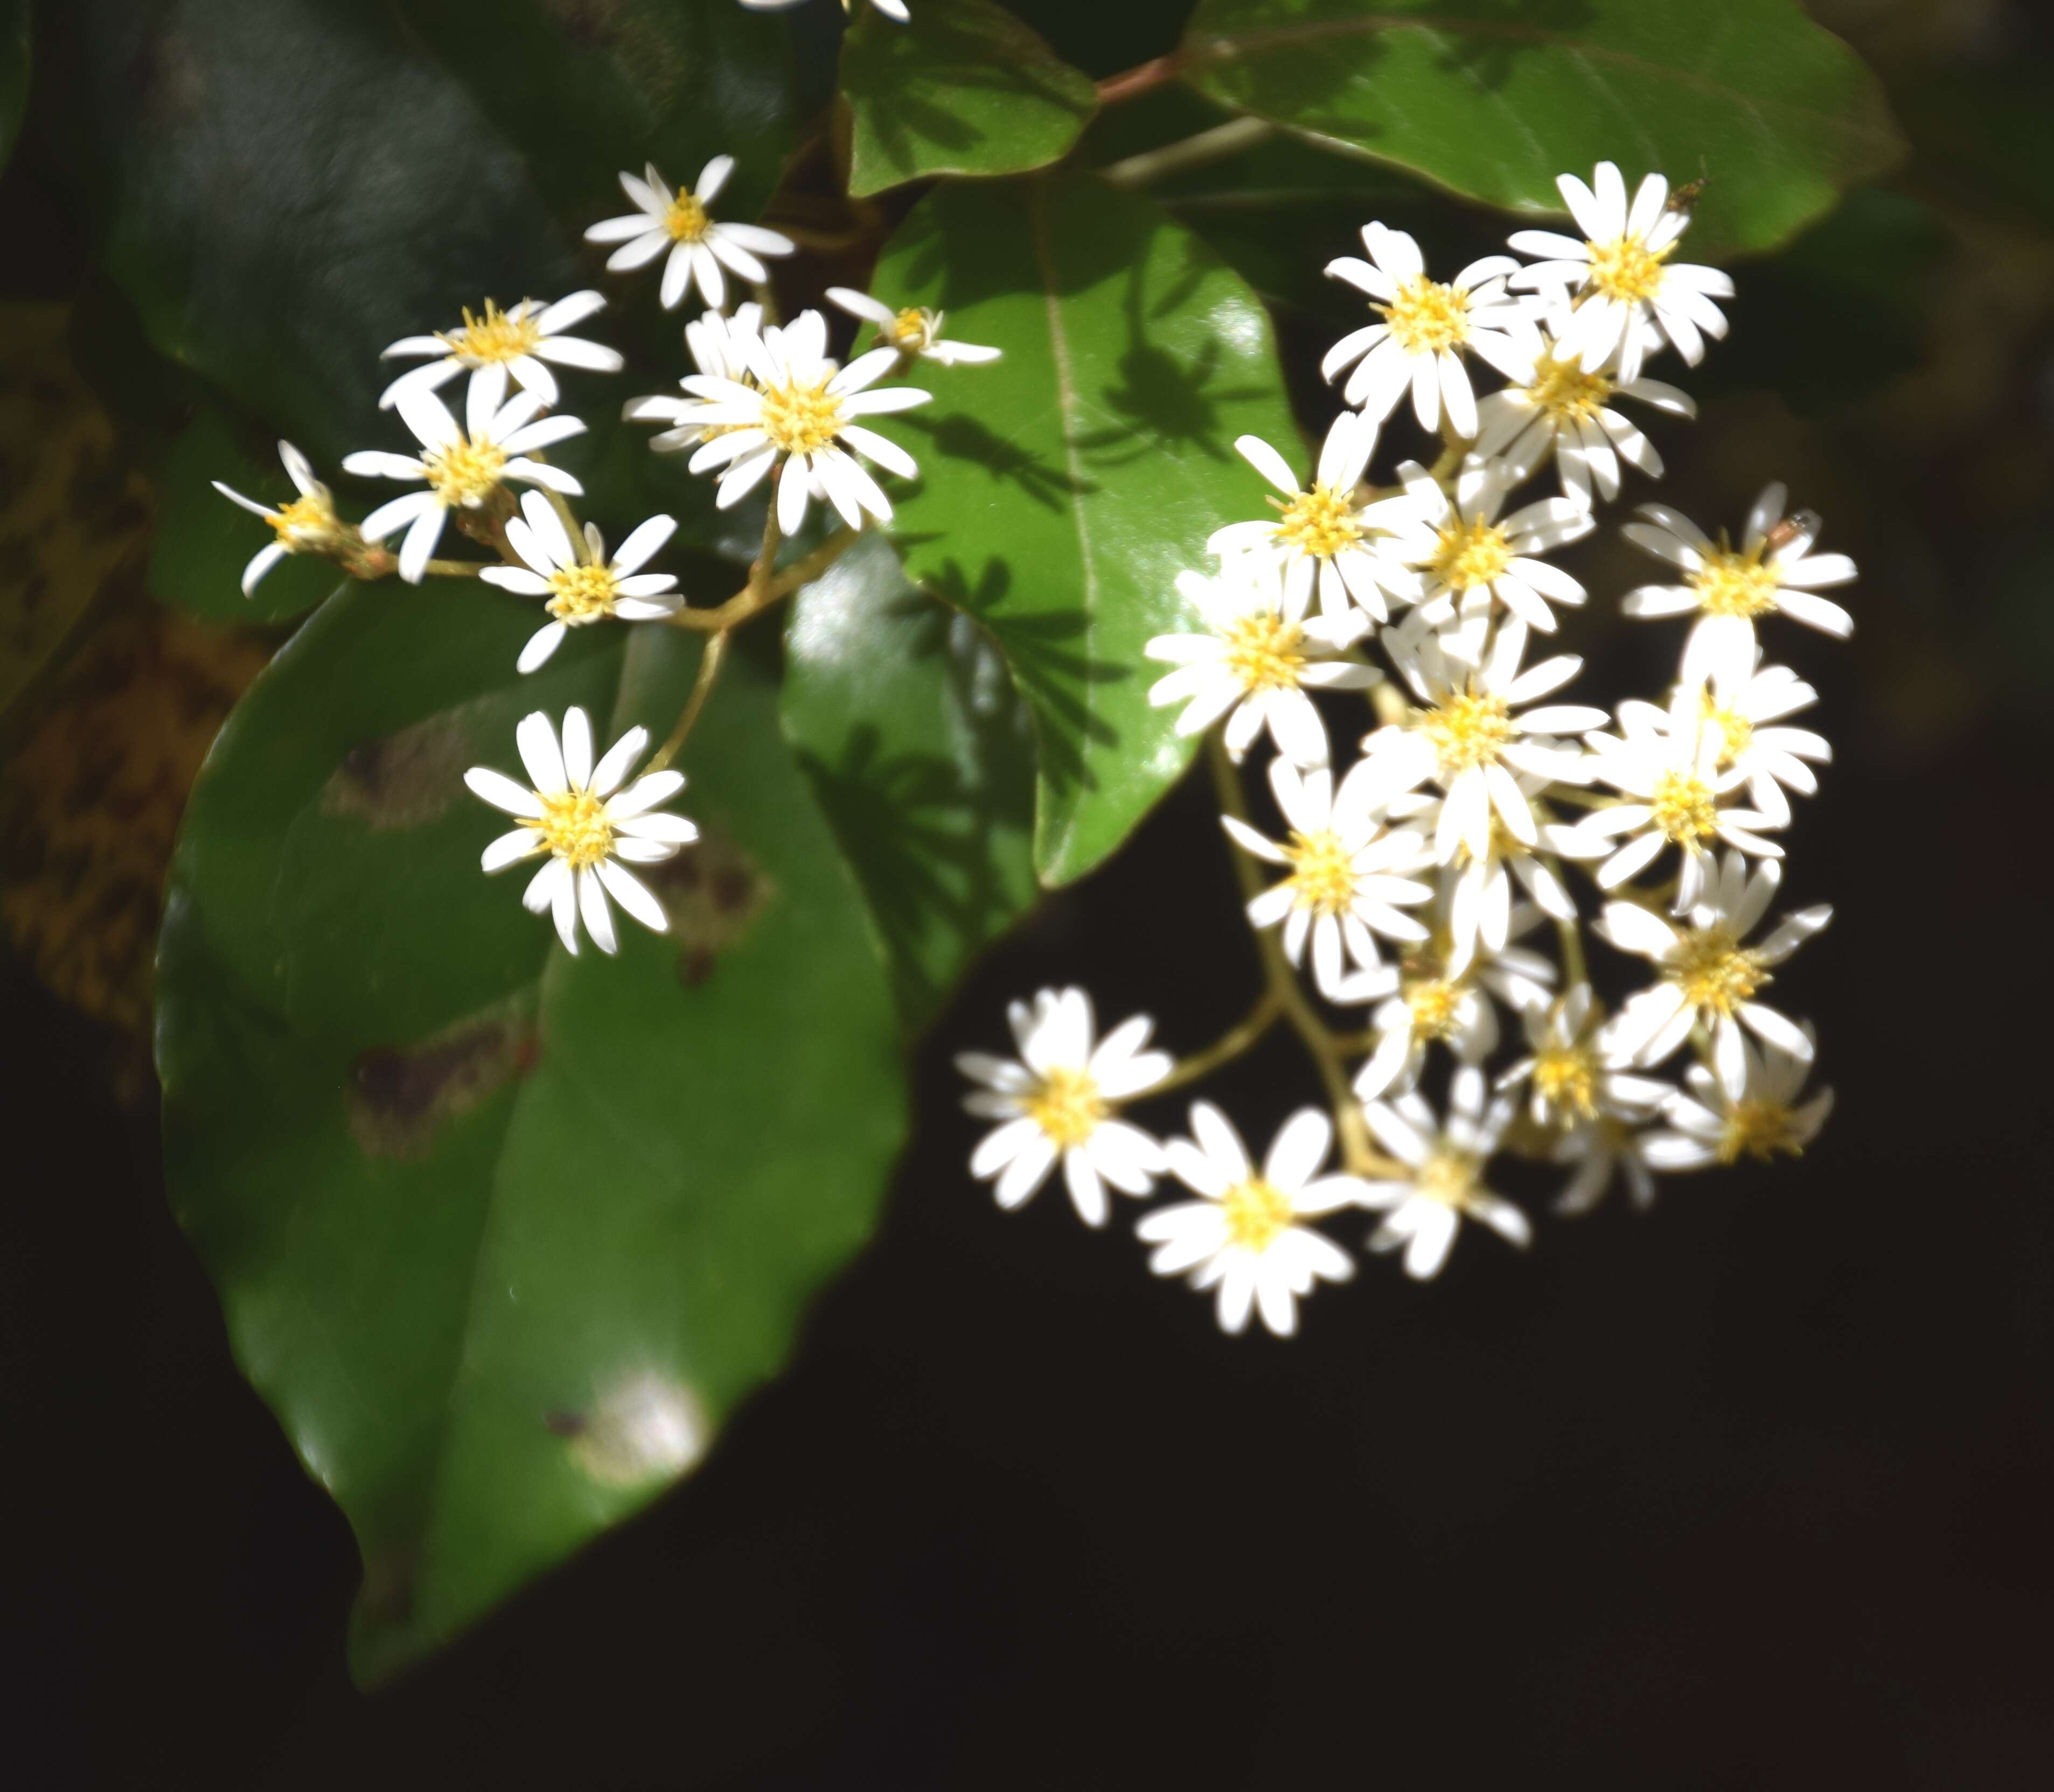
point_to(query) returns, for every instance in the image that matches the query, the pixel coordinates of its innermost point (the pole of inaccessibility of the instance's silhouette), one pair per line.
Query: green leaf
(965, 89)
(1063, 488)
(587, 90)
(203, 542)
(920, 752)
(1494, 99)
(502, 1235)
(280, 203)
(14, 71)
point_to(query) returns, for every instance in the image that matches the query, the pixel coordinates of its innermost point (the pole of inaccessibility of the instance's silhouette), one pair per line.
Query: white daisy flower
(308, 525)
(1599, 1152)
(1755, 1114)
(1477, 891)
(464, 466)
(1571, 1077)
(915, 332)
(699, 245)
(578, 589)
(1772, 570)
(1323, 538)
(1346, 883)
(805, 410)
(1554, 409)
(1709, 978)
(1468, 555)
(1428, 326)
(1429, 1000)
(1466, 736)
(517, 344)
(1060, 1101)
(590, 826)
(891, 9)
(718, 345)
(1678, 782)
(1243, 1235)
(1621, 274)
(1444, 1170)
(1257, 658)
(1745, 714)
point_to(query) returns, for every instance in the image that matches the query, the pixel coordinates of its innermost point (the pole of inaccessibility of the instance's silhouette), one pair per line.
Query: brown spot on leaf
(400, 1099)
(406, 780)
(713, 892)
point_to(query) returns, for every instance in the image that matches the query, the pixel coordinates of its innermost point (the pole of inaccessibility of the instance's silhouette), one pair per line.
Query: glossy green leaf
(587, 90)
(203, 542)
(1495, 99)
(14, 71)
(1063, 488)
(502, 1235)
(966, 89)
(920, 751)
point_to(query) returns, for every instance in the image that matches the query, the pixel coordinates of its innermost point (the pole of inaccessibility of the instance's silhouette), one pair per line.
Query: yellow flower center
(582, 594)
(686, 218)
(304, 518)
(1626, 269)
(1685, 809)
(801, 419)
(1565, 1077)
(916, 328)
(1565, 392)
(574, 826)
(1067, 1107)
(1256, 1213)
(1467, 731)
(1447, 1176)
(1731, 584)
(1469, 554)
(465, 473)
(1714, 972)
(1427, 316)
(495, 336)
(1320, 522)
(1759, 1129)
(1435, 1003)
(1735, 731)
(1263, 651)
(1322, 872)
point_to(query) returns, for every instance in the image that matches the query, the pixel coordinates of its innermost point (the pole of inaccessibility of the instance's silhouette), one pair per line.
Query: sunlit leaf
(1495, 98)
(920, 749)
(1063, 488)
(966, 89)
(503, 1235)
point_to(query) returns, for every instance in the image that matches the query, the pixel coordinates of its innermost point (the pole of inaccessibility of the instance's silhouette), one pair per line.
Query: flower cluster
(1427, 875)
(768, 403)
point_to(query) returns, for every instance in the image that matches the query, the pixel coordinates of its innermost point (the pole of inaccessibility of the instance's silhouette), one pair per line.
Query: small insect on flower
(497, 346)
(1346, 881)
(1060, 1102)
(1709, 978)
(465, 466)
(1772, 570)
(591, 822)
(1244, 1235)
(308, 525)
(1626, 288)
(580, 589)
(1255, 660)
(1443, 1184)
(1323, 537)
(1428, 326)
(699, 244)
(1750, 1110)
(803, 410)
(915, 333)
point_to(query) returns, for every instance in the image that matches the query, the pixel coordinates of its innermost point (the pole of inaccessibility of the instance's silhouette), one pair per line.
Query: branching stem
(1237, 1039)
(1196, 152)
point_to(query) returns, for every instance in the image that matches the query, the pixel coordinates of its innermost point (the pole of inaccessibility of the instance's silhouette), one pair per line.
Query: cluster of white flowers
(767, 402)
(1424, 879)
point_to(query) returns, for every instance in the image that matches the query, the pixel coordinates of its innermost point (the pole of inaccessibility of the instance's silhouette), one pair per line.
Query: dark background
(1751, 1490)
